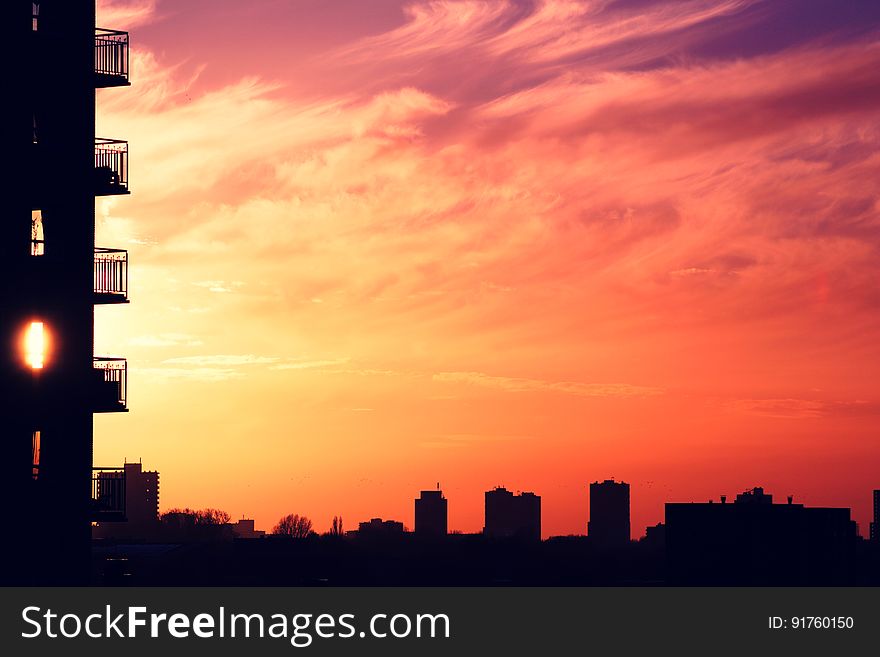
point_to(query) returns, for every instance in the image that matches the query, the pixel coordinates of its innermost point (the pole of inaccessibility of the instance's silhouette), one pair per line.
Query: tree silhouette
(193, 518)
(294, 526)
(336, 527)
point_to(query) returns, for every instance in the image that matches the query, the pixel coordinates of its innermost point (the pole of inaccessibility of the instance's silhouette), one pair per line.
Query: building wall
(759, 544)
(609, 524)
(508, 515)
(53, 85)
(431, 515)
(875, 526)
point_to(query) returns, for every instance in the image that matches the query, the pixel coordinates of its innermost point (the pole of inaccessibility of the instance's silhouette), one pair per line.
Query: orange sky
(375, 246)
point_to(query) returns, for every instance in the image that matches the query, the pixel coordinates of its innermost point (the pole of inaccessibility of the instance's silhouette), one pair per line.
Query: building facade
(756, 542)
(512, 516)
(875, 525)
(609, 524)
(431, 514)
(53, 275)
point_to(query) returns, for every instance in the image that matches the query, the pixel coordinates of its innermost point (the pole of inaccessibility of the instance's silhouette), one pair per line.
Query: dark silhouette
(755, 542)
(51, 279)
(245, 529)
(751, 541)
(512, 516)
(141, 504)
(875, 525)
(431, 513)
(293, 526)
(201, 518)
(378, 528)
(608, 526)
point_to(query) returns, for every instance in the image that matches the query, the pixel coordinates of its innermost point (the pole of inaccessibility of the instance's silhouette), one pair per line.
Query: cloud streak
(510, 384)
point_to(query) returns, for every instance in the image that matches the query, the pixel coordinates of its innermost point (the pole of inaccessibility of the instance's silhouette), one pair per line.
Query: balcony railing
(111, 58)
(111, 275)
(108, 494)
(111, 167)
(111, 379)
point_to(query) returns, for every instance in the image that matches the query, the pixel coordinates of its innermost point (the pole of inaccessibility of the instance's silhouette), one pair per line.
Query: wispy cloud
(166, 340)
(125, 14)
(509, 384)
(803, 409)
(229, 360)
(197, 374)
(309, 364)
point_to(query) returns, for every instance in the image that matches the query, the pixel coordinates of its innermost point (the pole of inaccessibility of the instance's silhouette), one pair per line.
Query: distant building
(140, 501)
(431, 513)
(609, 526)
(378, 527)
(244, 528)
(756, 542)
(655, 536)
(875, 526)
(509, 515)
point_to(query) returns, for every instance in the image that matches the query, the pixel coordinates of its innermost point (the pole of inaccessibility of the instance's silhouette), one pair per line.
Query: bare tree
(193, 518)
(294, 526)
(336, 527)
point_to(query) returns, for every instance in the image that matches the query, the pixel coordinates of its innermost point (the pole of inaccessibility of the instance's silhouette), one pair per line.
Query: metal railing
(108, 494)
(111, 275)
(111, 166)
(111, 378)
(111, 58)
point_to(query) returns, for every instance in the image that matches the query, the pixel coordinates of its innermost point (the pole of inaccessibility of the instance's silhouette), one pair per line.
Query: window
(35, 442)
(38, 243)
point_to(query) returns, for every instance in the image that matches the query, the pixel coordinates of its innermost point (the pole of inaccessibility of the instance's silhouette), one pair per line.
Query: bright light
(35, 345)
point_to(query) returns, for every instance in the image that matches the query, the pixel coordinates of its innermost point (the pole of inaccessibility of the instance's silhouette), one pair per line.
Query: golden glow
(35, 345)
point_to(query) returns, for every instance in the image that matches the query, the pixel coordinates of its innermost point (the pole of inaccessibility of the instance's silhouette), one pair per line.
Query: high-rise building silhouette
(51, 382)
(140, 490)
(431, 513)
(875, 525)
(509, 515)
(609, 525)
(756, 542)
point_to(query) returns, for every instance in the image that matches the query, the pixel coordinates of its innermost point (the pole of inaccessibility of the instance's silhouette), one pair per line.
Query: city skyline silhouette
(352, 265)
(503, 246)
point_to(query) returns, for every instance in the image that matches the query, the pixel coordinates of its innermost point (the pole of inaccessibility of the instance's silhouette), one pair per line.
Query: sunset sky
(380, 244)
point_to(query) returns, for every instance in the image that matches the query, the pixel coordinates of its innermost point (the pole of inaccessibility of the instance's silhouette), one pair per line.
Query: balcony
(110, 383)
(111, 58)
(111, 167)
(108, 495)
(110, 276)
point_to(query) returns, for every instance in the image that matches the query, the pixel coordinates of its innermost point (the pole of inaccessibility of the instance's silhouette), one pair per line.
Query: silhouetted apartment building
(608, 526)
(140, 498)
(53, 275)
(509, 515)
(875, 524)
(431, 513)
(756, 542)
(246, 528)
(376, 527)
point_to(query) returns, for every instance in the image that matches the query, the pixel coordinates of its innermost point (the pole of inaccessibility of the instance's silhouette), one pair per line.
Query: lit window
(38, 245)
(35, 442)
(35, 345)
